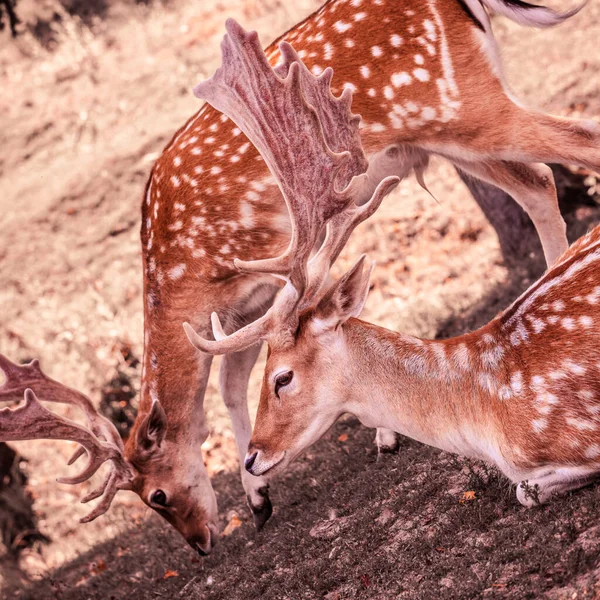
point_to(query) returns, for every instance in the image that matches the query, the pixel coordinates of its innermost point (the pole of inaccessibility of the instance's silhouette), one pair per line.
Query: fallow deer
(427, 80)
(522, 392)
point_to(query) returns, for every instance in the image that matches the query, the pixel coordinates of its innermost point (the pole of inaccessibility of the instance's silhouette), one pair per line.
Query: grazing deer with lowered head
(427, 80)
(522, 392)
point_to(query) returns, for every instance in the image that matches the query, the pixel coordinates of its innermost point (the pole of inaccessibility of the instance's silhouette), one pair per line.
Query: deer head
(305, 384)
(100, 441)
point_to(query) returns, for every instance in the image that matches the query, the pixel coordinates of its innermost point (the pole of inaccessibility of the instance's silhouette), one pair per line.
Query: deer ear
(345, 299)
(153, 429)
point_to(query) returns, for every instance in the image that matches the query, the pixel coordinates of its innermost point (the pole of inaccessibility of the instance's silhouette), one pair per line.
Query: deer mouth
(257, 464)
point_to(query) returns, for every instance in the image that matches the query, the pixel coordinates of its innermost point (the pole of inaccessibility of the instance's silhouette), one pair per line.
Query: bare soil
(91, 92)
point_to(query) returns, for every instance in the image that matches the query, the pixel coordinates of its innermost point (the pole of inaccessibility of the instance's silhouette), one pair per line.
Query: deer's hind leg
(532, 187)
(549, 139)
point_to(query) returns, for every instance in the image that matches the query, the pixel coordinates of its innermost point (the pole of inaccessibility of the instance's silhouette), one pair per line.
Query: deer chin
(262, 464)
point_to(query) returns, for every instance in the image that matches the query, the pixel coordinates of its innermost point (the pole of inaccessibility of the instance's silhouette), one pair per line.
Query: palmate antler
(310, 141)
(32, 421)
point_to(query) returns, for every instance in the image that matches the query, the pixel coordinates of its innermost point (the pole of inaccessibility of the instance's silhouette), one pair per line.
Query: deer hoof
(261, 514)
(393, 449)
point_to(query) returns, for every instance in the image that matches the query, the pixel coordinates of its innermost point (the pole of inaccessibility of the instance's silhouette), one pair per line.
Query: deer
(522, 392)
(426, 78)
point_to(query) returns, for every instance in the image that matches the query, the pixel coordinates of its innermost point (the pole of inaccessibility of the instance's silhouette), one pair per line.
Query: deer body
(523, 392)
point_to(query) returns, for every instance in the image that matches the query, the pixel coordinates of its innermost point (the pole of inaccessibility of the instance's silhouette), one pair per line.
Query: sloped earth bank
(85, 108)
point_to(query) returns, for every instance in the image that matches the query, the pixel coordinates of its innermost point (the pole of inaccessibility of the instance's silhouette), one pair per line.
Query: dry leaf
(468, 496)
(168, 574)
(232, 525)
(343, 437)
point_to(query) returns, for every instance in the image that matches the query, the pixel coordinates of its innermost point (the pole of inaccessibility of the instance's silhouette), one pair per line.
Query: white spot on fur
(516, 382)
(462, 357)
(421, 74)
(341, 26)
(395, 40)
(592, 451)
(428, 113)
(557, 375)
(430, 30)
(247, 215)
(400, 79)
(580, 424)
(177, 272)
(574, 367)
(490, 358)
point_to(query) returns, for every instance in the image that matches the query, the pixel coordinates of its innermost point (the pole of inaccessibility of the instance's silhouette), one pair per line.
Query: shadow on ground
(350, 525)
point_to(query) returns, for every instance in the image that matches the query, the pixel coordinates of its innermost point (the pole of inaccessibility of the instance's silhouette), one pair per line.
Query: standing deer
(427, 79)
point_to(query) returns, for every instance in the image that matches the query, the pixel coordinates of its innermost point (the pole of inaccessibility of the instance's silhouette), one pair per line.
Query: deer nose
(249, 462)
(203, 545)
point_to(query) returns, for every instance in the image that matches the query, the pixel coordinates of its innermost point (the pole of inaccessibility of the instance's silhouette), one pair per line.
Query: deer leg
(532, 187)
(536, 491)
(550, 139)
(234, 377)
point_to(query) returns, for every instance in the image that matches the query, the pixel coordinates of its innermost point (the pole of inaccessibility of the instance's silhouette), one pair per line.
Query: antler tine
(243, 338)
(21, 377)
(339, 229)
(339, 126)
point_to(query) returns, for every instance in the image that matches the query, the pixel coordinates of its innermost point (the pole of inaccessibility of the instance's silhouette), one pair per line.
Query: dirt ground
(91, 92)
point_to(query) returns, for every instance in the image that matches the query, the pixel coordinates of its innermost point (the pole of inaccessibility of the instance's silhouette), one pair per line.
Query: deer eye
(283, 380)
(159, 498)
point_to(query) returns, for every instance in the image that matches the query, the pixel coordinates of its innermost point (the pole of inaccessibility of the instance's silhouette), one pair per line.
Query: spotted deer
(426, 78)
(522, 392)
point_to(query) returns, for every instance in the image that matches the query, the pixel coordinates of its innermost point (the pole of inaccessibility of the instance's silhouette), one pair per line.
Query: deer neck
(437, 392)
(175, 374)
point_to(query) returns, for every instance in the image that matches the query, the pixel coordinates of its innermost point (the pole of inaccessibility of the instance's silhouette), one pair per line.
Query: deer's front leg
(234, 377)
(538, 490)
